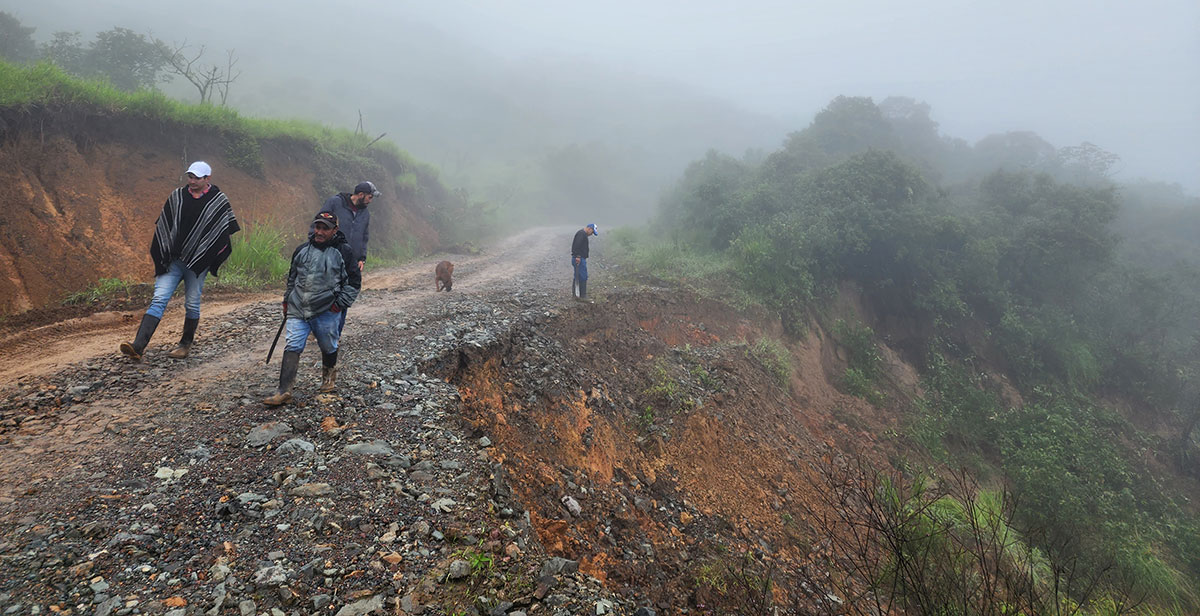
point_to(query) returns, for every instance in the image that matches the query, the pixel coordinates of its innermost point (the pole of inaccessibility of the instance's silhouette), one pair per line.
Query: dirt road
(114, 473)
(527, 257)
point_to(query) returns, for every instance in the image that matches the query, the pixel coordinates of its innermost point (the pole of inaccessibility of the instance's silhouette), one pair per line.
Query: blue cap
(594, 228)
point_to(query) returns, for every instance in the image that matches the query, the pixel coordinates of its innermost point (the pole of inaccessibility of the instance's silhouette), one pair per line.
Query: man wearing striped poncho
(191, 240)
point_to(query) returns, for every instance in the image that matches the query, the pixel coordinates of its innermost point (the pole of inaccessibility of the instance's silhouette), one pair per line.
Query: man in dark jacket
(579, 257)
(351, 210)
(191, 240)
(322, 283)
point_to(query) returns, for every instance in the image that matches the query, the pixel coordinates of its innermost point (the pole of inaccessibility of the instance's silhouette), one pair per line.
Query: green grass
(668, 260)
(259, 258)
(103, 289)
(46, 84)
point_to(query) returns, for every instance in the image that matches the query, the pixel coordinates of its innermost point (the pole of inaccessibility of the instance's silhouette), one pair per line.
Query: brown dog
(441, 276)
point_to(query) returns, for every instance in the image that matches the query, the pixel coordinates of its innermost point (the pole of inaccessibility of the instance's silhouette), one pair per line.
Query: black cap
(329, 218)
(368, 188)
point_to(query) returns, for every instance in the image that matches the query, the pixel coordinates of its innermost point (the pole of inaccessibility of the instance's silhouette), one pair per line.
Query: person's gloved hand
(335, 308)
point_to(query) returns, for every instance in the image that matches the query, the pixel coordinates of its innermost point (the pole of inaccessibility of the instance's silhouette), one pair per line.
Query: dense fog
(511, 99)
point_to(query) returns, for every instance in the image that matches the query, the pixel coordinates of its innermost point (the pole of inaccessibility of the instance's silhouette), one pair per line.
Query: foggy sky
(1122, 75)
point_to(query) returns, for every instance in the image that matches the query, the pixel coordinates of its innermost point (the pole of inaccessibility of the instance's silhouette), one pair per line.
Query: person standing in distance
(579, 257)
(322, 283)
(191, 240)
(351, 210)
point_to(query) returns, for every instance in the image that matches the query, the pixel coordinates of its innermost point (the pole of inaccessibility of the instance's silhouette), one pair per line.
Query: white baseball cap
(200, 169)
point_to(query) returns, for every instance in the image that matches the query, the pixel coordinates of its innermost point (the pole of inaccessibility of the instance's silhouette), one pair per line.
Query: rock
(270, 576)
(170, 474)
(247, 607)
(320, 602)
(603, 606)
(198, 454)
(218, 572)
(374, 448)
(443, 505)
(296, 445)
(485, 441)
(312, 489)
(572, 505)
(645, 611)
(104, 608)
(362, 607)
(267, 432)
(501, 608)
(558, 565)
(459, 569)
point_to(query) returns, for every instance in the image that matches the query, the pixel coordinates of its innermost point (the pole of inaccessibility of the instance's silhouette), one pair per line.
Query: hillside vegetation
(1056, 337)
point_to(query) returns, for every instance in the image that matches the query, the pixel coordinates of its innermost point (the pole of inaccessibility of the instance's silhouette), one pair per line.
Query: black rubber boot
(287, 377)
(329, 372)
(185, 341)
(583, 292)
(145, 331)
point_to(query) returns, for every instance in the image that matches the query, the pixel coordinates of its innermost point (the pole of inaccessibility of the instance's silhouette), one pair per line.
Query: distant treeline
(1007, 256)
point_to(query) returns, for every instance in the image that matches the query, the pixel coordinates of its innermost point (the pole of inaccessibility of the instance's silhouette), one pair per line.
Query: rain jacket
(322, 275)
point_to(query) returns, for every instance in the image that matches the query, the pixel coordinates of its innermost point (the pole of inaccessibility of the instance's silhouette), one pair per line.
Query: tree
(124, 58)
(127, 59)
(211, 81)
(1014, 151)
(1088, 163)
(67, 51)
(16, 41)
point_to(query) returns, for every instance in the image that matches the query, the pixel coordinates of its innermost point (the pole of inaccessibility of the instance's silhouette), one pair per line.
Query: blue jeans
(580, 270)
(166, 283)
(325, 327)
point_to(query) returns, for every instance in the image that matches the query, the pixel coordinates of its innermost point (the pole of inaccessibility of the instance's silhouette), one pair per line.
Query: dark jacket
(353, 222)
(322, 275)
(579, 247)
